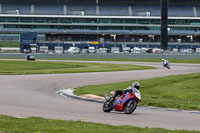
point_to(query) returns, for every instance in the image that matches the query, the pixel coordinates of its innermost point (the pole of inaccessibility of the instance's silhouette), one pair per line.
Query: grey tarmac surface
(35, 95)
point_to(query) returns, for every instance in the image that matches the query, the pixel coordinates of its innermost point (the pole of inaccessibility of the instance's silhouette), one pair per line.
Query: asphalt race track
(35, 95)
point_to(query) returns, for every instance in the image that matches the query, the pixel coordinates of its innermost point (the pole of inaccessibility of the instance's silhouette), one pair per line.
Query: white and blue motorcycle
(165, 63)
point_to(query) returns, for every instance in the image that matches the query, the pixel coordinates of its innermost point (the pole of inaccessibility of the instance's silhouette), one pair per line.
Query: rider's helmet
(136, 85)
(163, 59)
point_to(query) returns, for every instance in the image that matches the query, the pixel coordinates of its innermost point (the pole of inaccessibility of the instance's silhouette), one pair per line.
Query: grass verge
(38, 67)
(192, 61)
(39, 125)
(180, 92)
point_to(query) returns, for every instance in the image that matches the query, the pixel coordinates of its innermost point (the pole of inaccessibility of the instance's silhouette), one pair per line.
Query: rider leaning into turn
(165, 62)
(130, 89)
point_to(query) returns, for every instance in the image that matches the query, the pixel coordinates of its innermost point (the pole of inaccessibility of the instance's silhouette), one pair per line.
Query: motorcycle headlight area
(138, 95)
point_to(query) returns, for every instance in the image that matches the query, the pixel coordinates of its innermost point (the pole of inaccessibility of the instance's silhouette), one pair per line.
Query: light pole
(164, 24)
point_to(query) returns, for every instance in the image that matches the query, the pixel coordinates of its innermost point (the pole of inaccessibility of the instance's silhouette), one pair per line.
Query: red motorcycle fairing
(123, 99)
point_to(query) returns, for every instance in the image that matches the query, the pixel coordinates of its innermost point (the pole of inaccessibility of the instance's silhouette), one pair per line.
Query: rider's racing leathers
(165, 62)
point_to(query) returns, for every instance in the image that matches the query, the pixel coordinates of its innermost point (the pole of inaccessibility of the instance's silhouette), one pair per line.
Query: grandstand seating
(81, 9)
(11, 8)
(142, 10)
(181, 11)
(114, 10)
(126, 27)
(48, 9)
(173, 11)
(104, 10)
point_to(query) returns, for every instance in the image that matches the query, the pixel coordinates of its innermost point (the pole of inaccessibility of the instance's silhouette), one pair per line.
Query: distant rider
(165, 62)
(135, 87)
(28, 56)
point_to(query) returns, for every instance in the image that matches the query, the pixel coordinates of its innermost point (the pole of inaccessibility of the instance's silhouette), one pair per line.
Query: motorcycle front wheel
(106, 107)
(130, 107)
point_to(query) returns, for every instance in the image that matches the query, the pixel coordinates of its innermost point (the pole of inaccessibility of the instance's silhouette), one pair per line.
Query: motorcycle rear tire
(130, 107)
(106, 108)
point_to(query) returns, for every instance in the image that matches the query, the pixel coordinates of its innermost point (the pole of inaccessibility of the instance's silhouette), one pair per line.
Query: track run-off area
(35, 95)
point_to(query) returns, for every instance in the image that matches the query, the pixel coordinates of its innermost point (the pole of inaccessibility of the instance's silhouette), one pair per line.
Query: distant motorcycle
(30, 58)
(167, 65)
(127, 102)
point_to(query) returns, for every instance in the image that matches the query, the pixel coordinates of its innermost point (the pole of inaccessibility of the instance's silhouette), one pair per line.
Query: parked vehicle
(44, 49)
(101, 50)
(115, 50)
(73, 50)
(136, 50)
(91, 50)
(58, 50)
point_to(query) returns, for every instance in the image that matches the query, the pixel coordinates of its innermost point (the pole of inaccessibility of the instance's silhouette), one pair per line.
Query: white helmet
(136, 85)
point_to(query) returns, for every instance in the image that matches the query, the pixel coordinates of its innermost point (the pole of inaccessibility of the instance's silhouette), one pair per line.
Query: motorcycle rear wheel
(106, 107)
(130, 107)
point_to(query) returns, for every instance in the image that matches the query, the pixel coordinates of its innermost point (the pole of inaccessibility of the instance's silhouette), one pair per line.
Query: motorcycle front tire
(106, 107)
(130, 107)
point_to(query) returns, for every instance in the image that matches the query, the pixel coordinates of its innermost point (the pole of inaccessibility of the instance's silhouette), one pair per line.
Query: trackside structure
(100, 23)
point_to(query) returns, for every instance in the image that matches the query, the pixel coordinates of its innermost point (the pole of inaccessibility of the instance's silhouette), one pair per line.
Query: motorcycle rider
(165, 62)
(130, 89)
(28, 56)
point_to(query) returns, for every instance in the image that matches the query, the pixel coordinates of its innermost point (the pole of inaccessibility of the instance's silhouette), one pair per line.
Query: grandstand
(133, 22)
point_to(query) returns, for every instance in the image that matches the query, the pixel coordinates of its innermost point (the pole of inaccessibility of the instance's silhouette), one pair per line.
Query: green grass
(39, 125)
(194, 61)
(39, 67)
(180, 92)
(9, 44)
